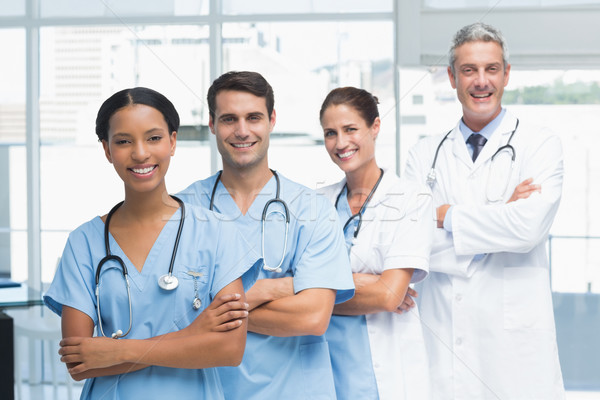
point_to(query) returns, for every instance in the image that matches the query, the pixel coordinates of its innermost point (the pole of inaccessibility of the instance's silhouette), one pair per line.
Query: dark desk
(12, 297)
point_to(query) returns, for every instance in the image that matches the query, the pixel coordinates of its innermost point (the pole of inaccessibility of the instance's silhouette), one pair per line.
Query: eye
(154, 138)
(329, 133)
(121, 141)
(227, 120)
(254, 118)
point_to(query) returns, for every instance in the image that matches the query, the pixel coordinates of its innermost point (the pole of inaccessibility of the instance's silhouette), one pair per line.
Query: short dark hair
(128, 97)
(242, 81)
(359, 99)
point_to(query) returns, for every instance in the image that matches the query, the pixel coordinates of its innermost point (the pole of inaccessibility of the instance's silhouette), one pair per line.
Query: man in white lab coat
(496, 180)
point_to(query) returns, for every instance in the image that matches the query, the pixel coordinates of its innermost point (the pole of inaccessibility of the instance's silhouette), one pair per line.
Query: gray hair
(476, 32)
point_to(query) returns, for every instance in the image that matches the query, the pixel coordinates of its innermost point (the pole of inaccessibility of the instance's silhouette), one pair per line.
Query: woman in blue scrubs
(388, 230)
(190, 329)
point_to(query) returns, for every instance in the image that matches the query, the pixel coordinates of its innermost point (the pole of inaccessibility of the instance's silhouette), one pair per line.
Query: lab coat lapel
(459, 147)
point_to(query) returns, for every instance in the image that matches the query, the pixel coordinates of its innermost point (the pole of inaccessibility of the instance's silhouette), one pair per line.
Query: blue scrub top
(203, 249)
(296, 367)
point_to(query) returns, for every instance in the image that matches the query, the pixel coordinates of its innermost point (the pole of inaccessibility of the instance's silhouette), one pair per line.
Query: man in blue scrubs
(286, 355)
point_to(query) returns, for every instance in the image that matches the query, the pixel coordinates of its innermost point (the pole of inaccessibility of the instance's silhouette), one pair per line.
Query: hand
(408, 302)
(225, 313)
(441, 214)
(266, 290)
(89, 353)
(524, 190)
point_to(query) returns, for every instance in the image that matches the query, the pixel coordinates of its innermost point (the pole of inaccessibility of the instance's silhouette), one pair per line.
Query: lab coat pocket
(192, 294)
(527, 302)
(316, 371)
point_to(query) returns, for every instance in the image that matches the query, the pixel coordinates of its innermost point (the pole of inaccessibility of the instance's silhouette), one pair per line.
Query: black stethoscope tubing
(431, 176)
(119, 260)
(362, 208)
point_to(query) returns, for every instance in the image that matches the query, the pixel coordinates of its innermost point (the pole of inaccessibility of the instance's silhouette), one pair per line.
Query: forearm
(305, 313)
(206, 350)
(266, 290)
(385, 294)
(114, 370)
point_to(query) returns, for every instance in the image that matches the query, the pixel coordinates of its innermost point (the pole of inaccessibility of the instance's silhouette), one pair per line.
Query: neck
(476, 122)
(360, 183)
(245, 185)
(148, 206)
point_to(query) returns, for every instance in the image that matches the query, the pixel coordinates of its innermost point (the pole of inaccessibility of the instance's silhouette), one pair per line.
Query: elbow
(78, 377)
(529, 239)
(233, 352)
(317, 324)
(391, 301)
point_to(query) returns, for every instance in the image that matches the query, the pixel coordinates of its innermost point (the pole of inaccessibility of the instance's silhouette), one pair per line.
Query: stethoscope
(166, 282)
(265, 215)
(431, 176)
(362, 208)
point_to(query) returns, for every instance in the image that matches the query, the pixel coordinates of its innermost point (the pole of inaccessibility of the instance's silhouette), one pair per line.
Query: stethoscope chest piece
(168, 282)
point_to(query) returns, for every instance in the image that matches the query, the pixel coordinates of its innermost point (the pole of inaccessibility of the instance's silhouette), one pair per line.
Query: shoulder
(405, 191)
(202, 219)
(528, 130)
(298, 196)
(199, 191)
(307, 206)
(332, 191)
(88, 231)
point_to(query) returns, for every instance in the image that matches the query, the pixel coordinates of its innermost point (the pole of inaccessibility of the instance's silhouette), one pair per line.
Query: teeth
(481, 96)
(346, 154)
(142, 170)
(241, 145)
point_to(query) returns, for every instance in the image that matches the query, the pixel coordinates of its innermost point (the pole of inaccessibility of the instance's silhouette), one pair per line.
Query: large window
(82, 66)
(13, 191)
(302, 74)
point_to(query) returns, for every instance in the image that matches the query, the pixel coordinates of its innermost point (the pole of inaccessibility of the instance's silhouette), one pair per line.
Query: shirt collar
(487, 130)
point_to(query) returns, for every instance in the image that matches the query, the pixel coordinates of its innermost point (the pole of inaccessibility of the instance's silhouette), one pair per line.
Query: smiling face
(479, 80)
(349, 141)
(242, 127)
(140, 147)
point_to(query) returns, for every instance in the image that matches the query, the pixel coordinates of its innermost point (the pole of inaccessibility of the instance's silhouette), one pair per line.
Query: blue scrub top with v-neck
(295, 367)
(202, 257)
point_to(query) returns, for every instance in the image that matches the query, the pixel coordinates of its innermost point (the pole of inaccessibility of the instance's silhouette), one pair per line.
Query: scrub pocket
(190, 280)
(317, 371)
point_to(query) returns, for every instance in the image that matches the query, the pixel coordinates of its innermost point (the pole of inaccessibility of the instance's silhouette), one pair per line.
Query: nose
(341, 141)
(242, 130)
(482, 78)
(140, 151)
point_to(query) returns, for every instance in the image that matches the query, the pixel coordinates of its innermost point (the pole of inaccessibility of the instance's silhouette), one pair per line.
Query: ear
(173, 139)
(452, 78)
(273, 119)
(211, 125)
(375, 128)
(506, 74)
(106, 151)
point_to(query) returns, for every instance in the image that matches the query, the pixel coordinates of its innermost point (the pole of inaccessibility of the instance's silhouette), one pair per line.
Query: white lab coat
(489, 323)
(395, 233)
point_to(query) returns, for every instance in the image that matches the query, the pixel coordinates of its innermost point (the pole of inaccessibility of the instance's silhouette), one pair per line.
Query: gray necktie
(477, 141)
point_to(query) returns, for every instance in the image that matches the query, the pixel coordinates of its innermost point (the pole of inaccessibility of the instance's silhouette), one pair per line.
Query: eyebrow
(148, 132)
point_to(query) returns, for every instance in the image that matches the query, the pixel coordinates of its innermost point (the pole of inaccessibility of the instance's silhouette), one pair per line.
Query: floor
(47, 392)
